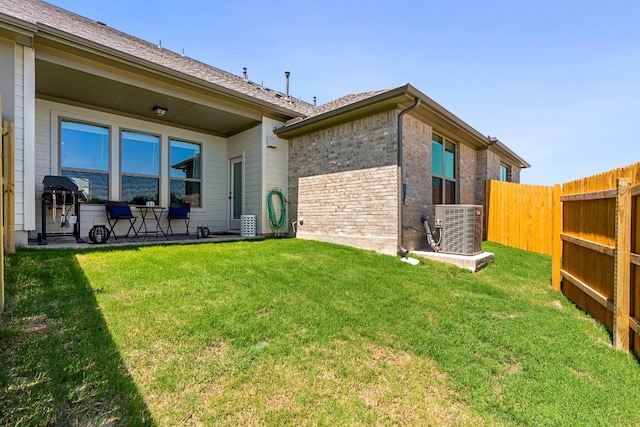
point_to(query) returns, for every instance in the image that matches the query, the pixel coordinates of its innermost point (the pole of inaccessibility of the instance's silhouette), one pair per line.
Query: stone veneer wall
(358, 208)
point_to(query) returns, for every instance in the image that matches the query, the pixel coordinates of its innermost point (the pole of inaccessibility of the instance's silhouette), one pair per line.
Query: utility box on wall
(460, 228)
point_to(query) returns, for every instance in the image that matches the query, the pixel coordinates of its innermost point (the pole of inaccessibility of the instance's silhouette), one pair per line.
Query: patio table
(145, 216)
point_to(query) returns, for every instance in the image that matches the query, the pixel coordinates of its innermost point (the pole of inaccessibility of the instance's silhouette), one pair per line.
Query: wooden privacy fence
(521, 216)
(591, 227)
(600, 240)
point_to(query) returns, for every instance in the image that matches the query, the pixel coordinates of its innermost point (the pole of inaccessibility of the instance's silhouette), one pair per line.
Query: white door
(235, 194)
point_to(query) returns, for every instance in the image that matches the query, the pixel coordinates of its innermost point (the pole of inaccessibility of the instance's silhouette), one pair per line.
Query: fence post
(622, 269)
(1, 219)
(8, 157)
(556, 238)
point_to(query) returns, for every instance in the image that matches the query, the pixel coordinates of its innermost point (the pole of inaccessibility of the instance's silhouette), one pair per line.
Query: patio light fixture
(159, 111)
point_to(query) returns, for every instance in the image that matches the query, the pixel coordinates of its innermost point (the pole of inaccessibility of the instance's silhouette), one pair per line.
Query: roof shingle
(44, 14)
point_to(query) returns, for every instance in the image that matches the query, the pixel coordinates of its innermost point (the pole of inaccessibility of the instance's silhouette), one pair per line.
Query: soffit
(82, 76)
(69, 85)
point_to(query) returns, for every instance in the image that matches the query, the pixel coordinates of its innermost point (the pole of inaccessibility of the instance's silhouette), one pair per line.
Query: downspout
(401, 196)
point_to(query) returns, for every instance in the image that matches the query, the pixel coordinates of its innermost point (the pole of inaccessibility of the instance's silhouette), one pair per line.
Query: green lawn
(292, 332)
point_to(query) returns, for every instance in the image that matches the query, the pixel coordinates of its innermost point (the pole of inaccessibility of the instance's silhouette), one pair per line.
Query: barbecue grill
(62, 196)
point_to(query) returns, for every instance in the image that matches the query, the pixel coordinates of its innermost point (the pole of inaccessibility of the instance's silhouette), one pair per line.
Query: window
(84, 158)
(505, 172)
(443, 166)
(186, 172)
(140, 160)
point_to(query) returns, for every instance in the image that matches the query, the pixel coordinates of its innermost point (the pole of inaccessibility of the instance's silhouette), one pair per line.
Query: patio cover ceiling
(60, 83)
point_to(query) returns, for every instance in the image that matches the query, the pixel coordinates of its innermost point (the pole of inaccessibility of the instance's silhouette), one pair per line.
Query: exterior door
(235, 194)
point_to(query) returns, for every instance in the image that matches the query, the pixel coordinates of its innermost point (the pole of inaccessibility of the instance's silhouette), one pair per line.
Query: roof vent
(286, 75)
(244, 74)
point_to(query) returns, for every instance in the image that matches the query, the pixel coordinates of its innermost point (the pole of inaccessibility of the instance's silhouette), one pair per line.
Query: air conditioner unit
(461, 228)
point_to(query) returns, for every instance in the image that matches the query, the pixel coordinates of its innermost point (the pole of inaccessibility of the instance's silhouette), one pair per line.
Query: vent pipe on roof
(314, 101)
(244, 73)
(286, 75)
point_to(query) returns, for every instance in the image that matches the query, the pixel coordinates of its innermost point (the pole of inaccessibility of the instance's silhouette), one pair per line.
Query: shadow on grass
(59, 364)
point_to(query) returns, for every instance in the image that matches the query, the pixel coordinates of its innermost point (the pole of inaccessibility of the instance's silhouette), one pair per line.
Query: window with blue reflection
(443, 169)
(185, 165)
(140, 160)
(140, 153)
(185, 159)
(84, 157)
(505, 172)
(449, 160)
(436, 155)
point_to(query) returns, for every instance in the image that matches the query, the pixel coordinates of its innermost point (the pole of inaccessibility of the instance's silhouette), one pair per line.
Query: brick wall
(515, 174)
(467, 193)
(416, 172)
(357, 208)
(487, 167)
(361, 144)
(343, 182)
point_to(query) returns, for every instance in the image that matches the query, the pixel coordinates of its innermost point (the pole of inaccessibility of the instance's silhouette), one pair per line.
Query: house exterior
(87, 102)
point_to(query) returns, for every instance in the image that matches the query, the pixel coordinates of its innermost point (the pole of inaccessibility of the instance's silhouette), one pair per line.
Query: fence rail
(594, 243)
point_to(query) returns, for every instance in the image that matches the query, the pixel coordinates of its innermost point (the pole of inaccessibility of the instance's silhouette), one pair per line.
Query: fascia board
(20, 31)
(339, 114)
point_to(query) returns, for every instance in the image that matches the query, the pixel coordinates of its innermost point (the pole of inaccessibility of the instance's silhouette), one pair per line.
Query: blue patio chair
(178, 211)
(117, 211)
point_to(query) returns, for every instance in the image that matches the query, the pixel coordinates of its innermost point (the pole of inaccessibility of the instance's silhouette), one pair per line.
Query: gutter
(21, 32)
(340, 111)
(401, 187)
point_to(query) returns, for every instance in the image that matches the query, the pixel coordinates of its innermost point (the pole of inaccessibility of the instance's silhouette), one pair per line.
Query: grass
(292, 332)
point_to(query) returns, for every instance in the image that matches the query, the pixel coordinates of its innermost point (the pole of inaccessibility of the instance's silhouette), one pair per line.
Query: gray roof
(45, 15)
(46, 18)
(344, 101)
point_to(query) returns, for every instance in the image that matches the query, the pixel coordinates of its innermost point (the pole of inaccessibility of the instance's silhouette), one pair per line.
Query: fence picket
(592, 229)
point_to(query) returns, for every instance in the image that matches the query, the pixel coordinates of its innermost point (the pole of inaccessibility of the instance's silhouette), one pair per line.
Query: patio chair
(117, 211)
(178, 211)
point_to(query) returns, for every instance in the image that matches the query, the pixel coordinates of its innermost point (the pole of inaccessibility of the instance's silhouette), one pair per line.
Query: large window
(140, 165)
(185, 166)
(443, 164)
(505, 172)
(84, 158)
(140, 160)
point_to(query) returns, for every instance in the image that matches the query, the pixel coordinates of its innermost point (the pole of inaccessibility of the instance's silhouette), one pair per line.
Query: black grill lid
(61, 183)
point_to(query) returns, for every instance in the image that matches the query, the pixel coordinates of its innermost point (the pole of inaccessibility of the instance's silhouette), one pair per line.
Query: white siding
(276, 161)
(247, 146)
(29, 137)
(214, 185)
(19, 189)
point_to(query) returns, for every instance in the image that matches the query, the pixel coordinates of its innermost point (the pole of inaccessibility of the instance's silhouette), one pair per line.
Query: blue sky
(557, 81)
